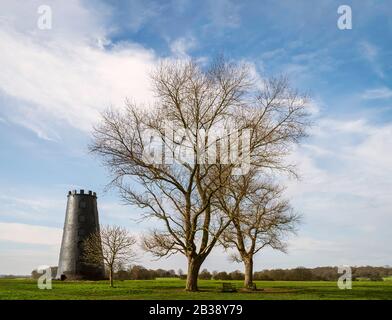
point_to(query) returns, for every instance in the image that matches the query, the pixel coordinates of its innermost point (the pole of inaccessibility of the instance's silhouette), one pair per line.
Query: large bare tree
(260, 217)
(162, 148)
(112, 244)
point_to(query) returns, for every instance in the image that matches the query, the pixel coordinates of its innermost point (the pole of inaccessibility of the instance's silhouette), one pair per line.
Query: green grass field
(174, 289)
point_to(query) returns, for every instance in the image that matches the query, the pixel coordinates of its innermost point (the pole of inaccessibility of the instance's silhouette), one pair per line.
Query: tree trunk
(193, 272)
(111, 276)
(248, 272)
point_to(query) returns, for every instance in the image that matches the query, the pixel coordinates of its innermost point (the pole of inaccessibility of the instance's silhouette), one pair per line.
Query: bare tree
(112, 244)
(260, 218)
(179, 189)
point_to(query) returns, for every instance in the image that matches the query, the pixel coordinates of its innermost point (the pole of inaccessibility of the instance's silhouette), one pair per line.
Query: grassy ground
(174, 289)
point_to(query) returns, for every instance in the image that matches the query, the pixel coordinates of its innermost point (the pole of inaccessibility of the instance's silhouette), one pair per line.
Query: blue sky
(54, 83)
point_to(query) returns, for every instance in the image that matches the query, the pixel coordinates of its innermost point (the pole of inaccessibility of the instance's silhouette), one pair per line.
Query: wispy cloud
(370, 52)
(181, 47)
(27, 208)
(224, 14)
(378, 93)
(134, 15)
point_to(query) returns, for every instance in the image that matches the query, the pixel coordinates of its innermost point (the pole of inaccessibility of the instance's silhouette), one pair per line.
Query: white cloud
(59, 80)
(327, 126)
(86, 24)
(346, 186)
(375, 152)
(181, 46)
(30, 234)
(311, 244)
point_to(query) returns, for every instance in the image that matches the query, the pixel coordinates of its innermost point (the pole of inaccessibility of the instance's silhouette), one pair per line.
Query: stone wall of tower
(81, 220)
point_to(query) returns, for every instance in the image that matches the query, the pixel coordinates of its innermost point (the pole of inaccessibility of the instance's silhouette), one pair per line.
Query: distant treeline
(296, 274)
(138, 272)
(323, 274)
(11, 276)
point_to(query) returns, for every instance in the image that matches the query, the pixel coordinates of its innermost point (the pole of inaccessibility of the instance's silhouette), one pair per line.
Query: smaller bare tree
(112, 244)
(260, 218)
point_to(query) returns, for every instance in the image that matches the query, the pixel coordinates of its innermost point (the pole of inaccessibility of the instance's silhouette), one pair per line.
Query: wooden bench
(228, 287)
